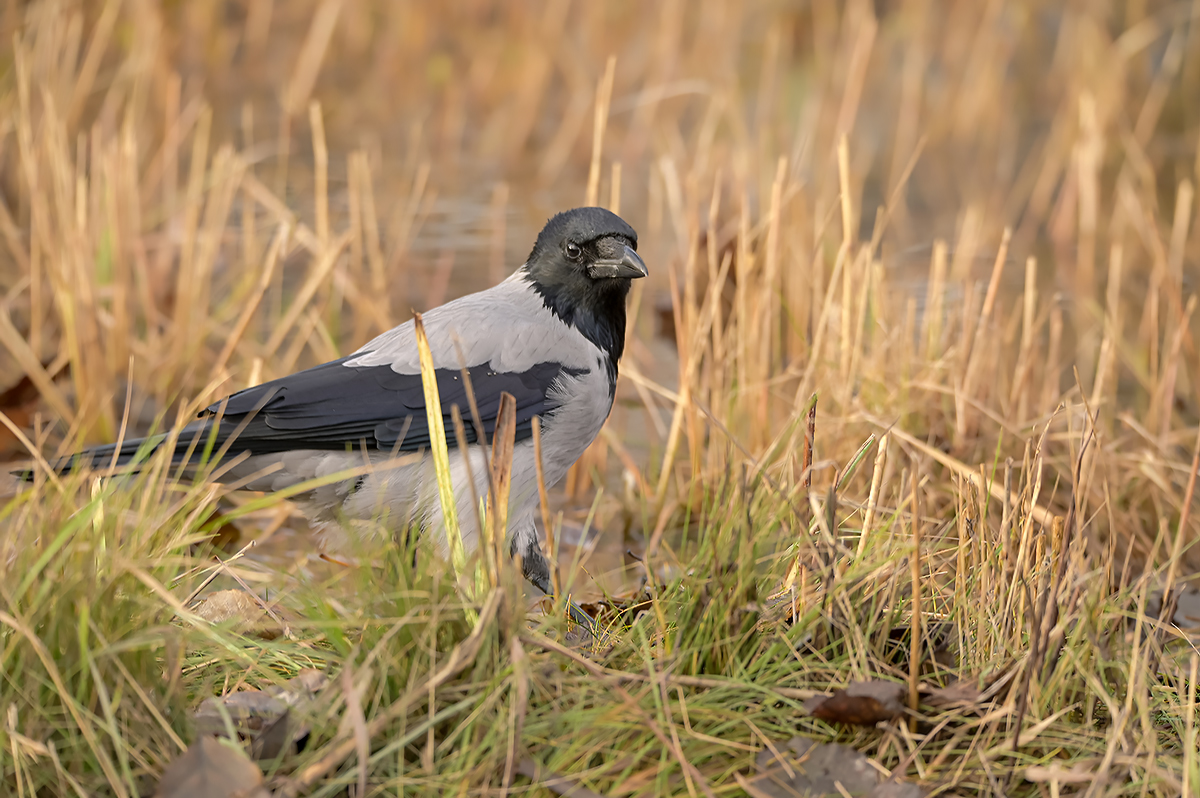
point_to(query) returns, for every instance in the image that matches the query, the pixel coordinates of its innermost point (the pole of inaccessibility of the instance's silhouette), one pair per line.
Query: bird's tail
(130, 455)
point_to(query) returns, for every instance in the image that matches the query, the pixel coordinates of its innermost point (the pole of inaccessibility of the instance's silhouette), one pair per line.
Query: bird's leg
(536, 570)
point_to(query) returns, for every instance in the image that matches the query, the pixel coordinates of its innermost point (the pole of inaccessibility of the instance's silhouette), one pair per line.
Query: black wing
(335, 406)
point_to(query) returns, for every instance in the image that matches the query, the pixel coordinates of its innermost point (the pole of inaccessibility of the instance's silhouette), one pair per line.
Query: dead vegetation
(907, 431)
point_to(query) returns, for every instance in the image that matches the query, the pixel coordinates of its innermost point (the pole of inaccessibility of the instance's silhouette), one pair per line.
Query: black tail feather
(128, 455)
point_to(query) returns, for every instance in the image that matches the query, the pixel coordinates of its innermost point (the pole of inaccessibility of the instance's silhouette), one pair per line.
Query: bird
(551, 335)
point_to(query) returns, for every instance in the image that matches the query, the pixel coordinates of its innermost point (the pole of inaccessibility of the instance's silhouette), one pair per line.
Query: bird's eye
(574, 252)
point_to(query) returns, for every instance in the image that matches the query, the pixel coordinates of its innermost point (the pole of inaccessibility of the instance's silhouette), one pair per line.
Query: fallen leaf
(225, 537)
(248, 711)
(959, 693)
(243, 612)
(861, 703)
(806, 768)
(263, 716)
(276, 738)
(308, 680)
(211, 769)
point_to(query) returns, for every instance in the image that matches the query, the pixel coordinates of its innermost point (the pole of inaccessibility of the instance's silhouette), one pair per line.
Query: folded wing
(339, 406)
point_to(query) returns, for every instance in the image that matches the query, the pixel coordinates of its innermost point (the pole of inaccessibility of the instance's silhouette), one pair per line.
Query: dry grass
(969, 228)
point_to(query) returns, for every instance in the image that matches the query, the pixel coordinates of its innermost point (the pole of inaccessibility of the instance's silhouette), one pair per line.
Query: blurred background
(201, 195)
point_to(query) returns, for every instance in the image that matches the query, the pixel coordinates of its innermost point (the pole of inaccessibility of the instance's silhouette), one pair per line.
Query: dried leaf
(276, 738)
(263, 716)
(959, 693)
(305, 683)
(211, 769)
(861, 703)
(249, 711)
(225, 537)
(806, 768)
(242, 611)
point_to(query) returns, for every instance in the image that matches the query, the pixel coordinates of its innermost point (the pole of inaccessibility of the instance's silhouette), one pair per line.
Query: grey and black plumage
(551, 335)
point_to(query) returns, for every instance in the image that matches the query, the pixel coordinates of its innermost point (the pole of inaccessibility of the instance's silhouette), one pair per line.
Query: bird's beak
(629, 265)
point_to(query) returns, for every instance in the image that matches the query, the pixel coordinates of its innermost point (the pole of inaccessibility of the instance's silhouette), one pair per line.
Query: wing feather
(338, 406)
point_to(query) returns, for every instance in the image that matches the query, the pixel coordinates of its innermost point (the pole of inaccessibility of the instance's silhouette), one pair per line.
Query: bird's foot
(574, 611)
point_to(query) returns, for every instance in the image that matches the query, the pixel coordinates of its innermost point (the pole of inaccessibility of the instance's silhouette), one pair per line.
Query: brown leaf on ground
(225, 538)
(248, 713)
(211, 769)
(308, 679)
(806, 768)
(263, 716)
(277, 738)
(861, 703)
(959, 693)
(242, 611)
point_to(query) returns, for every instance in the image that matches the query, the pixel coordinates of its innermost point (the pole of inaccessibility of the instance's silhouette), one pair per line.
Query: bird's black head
(582, 265)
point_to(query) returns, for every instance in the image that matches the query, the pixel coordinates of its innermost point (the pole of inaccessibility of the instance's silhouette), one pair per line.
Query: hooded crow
(551, 335)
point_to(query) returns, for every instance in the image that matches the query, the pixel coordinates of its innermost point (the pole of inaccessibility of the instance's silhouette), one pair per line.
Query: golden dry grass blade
(603, 100)
(1036, 512)
(316, 278)
(21, 351)
(270, 263)
(439, 450)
